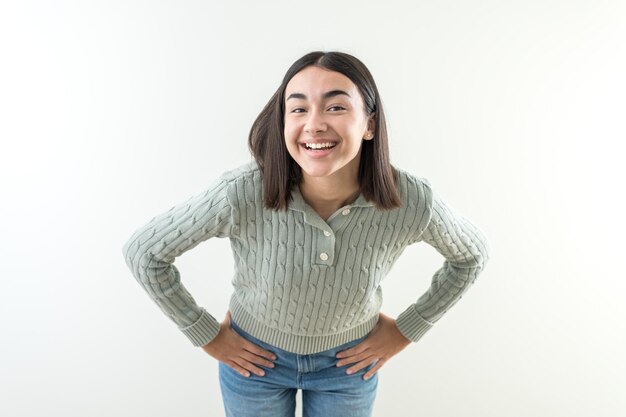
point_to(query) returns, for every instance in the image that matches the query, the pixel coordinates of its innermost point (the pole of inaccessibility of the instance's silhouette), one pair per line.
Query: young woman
(315, 222)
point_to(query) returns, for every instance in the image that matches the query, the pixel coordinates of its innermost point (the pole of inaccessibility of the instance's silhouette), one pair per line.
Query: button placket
(325, 246)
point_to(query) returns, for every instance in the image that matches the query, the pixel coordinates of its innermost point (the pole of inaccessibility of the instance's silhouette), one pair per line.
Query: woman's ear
(371, 127)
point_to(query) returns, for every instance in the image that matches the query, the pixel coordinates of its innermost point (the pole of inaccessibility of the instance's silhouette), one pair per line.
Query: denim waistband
(273, 348)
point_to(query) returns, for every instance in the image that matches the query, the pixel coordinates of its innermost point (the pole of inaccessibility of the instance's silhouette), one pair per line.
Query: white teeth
(319, 145)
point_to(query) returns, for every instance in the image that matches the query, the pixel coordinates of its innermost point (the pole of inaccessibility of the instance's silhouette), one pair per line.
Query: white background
(113, 111)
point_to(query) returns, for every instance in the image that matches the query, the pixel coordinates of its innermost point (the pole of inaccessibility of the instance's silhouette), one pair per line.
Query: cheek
(290, 131)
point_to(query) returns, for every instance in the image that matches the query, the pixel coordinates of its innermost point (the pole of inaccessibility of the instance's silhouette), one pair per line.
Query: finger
(375, 369)
(354, 350)
(248, 366)
(258, 350)
(251, 347)
(363, 364)
(355, 358)
(238, 368)
(257, 360)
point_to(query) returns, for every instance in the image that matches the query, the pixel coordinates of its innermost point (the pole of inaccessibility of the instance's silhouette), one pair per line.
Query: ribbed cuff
(412, 325)
(203, 330)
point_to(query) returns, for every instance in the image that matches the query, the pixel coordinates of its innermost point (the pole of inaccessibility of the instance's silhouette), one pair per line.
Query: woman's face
(325, 123)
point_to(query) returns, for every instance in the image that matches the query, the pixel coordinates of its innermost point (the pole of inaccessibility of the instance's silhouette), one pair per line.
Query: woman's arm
(150, 253)
(466, 251)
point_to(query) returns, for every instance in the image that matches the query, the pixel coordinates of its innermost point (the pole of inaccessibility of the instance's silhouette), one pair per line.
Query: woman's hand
(238, 353)
(382, 343)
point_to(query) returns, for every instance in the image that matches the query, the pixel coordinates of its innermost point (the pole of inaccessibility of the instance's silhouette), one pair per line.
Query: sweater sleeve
(466, 251)
(151, 251)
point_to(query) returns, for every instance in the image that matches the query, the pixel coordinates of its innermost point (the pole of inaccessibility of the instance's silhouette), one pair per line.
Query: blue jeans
(327, 391)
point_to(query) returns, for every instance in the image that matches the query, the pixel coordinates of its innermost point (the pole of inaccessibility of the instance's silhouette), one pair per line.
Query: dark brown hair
(377, 177)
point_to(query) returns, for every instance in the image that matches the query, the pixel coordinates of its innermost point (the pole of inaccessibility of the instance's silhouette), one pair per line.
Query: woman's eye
(336, 108)
(297, 110)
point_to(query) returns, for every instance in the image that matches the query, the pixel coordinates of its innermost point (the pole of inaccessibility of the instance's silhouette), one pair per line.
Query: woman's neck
(327, 194)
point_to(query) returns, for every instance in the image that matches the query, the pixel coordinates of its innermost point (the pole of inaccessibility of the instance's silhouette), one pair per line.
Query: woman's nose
(315, 123)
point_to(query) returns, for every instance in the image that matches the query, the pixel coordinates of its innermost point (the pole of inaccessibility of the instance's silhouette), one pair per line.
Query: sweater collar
(299, 204)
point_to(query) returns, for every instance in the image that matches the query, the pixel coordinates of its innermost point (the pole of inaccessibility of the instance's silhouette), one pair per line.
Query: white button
(346, 212)
(326, 233)
(323, 256)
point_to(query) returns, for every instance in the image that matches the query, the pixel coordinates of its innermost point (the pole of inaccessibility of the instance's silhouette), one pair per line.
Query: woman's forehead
(315, 82)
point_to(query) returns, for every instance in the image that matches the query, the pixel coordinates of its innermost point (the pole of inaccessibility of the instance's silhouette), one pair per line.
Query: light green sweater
(301, 283)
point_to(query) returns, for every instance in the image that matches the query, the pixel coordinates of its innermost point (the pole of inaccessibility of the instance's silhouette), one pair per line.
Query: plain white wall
(113, 111)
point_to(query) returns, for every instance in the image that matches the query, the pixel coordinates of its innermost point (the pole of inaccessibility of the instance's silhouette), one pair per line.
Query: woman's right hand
(237, 352)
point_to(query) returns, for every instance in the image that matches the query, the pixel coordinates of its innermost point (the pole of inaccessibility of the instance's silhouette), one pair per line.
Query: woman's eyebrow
(328, 94)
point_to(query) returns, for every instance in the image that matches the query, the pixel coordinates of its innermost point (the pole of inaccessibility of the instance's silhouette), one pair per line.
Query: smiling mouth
(319, 146)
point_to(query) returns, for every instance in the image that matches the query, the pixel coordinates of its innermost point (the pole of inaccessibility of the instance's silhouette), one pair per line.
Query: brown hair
(377, 177)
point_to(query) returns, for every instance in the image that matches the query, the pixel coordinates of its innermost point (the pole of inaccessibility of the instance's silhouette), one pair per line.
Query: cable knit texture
(301, 283)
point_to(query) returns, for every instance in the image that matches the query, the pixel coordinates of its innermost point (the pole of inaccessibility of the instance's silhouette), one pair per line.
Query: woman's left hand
(383, 342)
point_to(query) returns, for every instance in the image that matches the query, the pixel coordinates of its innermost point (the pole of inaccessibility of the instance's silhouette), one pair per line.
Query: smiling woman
(325, 124)
(316, 87)
(315, 221)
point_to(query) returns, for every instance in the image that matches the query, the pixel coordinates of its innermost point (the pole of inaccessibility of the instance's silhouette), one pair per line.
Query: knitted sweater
(301, 283)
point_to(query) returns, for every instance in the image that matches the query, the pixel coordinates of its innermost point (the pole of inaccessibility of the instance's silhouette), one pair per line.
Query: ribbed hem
(412, 325)
(299, 344)
(203, 330)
